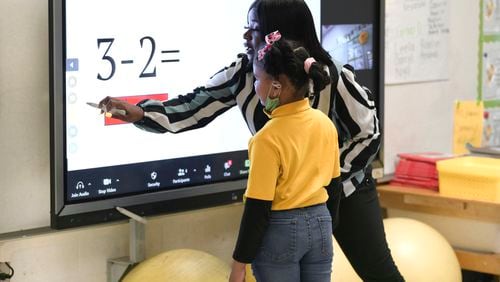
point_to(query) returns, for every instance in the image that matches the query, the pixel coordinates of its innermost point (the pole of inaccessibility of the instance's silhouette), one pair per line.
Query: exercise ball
(420, 252)
(249, 274)
(182, 265)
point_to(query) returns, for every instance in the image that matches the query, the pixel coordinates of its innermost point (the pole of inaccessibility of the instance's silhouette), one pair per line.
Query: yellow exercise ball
(419, 251)
(249, 274)
(182, 265)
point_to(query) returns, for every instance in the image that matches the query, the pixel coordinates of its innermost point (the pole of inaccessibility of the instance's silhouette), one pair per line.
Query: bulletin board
(489, 70)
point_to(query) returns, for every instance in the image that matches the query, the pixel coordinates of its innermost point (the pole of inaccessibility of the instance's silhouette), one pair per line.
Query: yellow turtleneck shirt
(293, 157)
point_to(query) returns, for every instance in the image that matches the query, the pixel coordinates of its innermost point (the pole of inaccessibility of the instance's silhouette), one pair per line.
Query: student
(286, 227)
(360, 231)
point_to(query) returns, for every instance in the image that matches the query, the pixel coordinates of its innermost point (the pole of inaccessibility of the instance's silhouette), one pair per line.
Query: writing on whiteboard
(417, 35)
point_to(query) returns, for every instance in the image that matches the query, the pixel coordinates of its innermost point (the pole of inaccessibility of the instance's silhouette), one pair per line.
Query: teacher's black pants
(359, 230)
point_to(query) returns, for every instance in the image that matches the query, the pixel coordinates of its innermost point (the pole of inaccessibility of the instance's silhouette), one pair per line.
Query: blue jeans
(297, 246)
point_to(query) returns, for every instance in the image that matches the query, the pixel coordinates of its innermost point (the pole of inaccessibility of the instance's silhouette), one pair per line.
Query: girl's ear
(276, 86)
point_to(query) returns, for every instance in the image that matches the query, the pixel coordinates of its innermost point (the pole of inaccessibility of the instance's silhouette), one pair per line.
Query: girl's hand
(238, 272)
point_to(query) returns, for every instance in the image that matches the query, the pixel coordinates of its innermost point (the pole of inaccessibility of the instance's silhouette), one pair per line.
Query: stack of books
(418, 170)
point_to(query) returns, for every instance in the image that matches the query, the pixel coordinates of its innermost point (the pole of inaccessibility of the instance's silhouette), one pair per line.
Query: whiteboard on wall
(417, 41)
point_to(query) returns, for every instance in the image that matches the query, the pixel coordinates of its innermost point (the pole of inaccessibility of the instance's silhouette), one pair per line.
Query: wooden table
(431, 202)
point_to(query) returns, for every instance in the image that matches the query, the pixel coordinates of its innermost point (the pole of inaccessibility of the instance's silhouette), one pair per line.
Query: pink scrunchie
(307, 64)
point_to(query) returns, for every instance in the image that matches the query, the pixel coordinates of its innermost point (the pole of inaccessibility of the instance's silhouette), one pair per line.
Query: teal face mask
(273, 103)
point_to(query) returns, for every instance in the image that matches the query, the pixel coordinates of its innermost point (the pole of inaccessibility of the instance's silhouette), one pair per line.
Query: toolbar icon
(72, 64)
(80, 185)
(208, 169)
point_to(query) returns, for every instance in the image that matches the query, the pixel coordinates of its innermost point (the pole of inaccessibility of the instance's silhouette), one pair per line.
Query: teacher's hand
(121, 110)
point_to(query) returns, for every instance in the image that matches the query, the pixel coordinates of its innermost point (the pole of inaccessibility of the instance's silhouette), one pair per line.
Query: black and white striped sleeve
(355, 107)
(196, 109)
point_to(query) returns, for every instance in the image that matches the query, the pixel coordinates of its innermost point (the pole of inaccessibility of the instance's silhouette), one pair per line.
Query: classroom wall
(24, 115)
(418, 117)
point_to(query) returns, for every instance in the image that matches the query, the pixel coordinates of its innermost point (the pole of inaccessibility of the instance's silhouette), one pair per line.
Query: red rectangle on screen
(134, 100)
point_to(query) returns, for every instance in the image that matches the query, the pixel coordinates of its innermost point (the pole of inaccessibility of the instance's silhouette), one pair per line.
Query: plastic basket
(474, 178)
